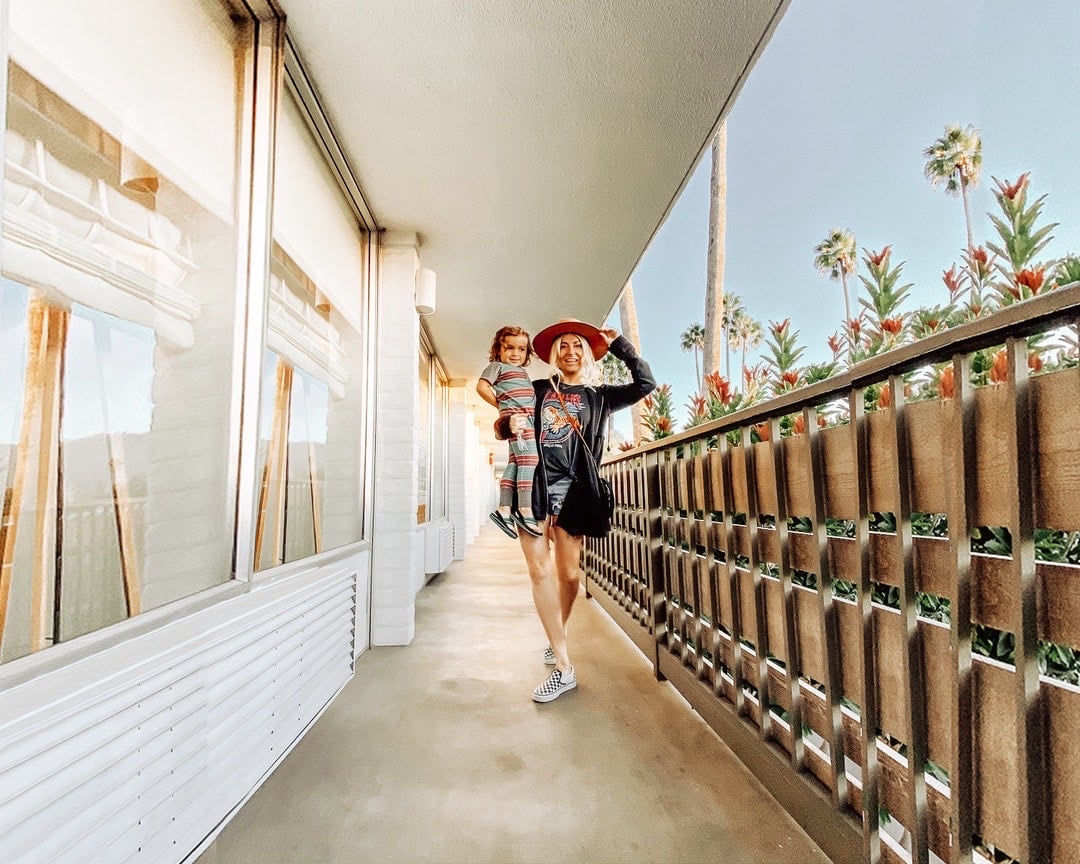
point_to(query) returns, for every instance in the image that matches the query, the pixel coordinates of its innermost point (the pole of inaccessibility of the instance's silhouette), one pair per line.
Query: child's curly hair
(510, 330)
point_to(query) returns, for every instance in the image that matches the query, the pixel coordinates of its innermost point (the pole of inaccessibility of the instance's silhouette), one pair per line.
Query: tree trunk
(967, 213)
(628, 323)
(847, 316)
(714, 272)
(697, 371)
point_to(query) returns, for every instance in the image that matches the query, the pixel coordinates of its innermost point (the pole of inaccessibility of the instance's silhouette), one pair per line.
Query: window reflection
(292, 464)
(310, 456)
(423, 425)
(308, 461)
(107, 385)
(116, 314)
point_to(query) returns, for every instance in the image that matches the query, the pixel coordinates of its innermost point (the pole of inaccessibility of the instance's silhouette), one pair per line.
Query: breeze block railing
(731, 563)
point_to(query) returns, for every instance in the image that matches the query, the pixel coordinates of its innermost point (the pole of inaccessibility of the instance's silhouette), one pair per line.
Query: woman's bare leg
(546, 595)
(567, 569)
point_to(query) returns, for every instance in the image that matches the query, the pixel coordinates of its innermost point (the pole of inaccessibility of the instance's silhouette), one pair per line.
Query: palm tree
(956, 159)
(614, 371)
(693, 339)
(733, 307)
(746, 332)
(714, 270)
(835, 257)
(629, 325)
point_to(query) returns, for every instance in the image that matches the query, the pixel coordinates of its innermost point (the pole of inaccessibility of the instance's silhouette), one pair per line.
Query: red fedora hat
(543, 340)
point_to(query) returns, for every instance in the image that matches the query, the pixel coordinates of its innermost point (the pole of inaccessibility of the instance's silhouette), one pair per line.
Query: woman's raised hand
(609, 335)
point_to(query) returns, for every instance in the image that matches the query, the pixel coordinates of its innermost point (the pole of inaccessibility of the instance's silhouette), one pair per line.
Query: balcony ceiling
(535, 147)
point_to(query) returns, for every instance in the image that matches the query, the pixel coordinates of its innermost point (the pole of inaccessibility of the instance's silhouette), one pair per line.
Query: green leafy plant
(784, 353)
(888, 324)
(1020, 242)
(656, 413)
(1067, 271)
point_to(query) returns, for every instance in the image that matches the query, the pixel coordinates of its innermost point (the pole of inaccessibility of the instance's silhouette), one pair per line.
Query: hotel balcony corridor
(435, 752)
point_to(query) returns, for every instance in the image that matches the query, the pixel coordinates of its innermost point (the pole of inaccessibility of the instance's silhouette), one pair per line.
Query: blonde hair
(590, 369)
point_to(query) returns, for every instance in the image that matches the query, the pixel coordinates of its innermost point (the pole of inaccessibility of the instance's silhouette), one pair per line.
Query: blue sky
(829, 132)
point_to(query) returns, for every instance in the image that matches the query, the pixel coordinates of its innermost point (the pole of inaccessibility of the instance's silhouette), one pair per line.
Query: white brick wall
(476, 469)
(397, 561)
(456, 437)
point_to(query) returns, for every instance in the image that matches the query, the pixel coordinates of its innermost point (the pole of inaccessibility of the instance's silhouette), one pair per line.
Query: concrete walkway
(437, 753)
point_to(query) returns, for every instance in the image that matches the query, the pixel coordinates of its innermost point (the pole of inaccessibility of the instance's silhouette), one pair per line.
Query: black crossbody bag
(590, 502)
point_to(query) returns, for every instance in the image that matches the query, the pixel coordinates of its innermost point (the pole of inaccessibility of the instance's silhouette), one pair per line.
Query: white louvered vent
(438, 547)
(137, 753)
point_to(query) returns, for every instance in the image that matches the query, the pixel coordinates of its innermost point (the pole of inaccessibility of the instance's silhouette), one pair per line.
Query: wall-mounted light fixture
(136, 173)
(425, 291)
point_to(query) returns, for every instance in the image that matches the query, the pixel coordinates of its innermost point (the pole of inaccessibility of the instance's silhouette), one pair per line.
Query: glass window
(309, 461)
(423, 426)
(440, 409)
(116, 312)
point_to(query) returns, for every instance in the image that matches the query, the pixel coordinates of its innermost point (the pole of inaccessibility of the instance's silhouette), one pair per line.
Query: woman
(572, 408)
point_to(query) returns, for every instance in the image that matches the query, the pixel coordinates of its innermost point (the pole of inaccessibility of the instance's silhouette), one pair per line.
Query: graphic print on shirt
(556, 430)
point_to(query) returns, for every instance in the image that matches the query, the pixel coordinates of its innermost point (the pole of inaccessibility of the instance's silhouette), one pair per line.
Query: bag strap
(576, 426)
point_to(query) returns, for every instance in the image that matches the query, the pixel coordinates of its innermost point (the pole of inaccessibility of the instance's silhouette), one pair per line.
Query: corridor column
(397, 560)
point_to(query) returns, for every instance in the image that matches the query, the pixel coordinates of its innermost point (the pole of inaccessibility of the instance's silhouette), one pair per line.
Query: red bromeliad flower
(753, 374)
(799, 426)
(999, 370)
(945, 383)
(778, 330)
(1031, 279)
(979, 263)
(790, 378)
(876, 258)
(884, 399)
(762, 430)
(835, 345)
(855, 327)
(953, 281)
(1011, 190)
(663, 424)
(892, 326)
(719, 388)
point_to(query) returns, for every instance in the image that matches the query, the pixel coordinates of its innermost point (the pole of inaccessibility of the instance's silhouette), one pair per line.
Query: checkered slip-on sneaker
(549, 656)
(556, 684)
(505, 525)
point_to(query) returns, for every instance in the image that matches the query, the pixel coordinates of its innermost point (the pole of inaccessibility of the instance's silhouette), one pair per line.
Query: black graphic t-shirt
(557, 437)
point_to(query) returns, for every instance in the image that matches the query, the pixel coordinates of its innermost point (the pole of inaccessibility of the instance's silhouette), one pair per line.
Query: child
(504, 384)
